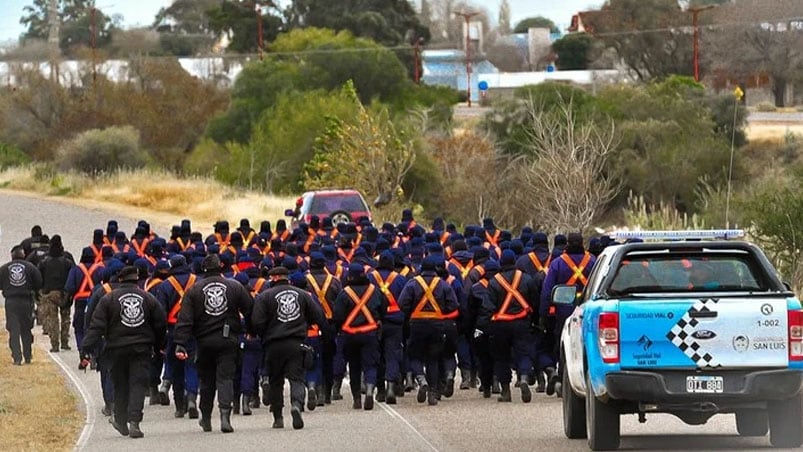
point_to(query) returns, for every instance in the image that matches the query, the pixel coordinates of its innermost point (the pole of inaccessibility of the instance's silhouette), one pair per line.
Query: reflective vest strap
(360, 307)
(181, 245)
(85, 289)
(427, 299)
(311, 235)
(320, 291)
(483, 283)
(247, 239)
(384, 287)
(512, 290)
(405, 271)
(464, 270)
(344, 256)
(258, 286)
(537, 262)
(140, 246)
(313, 331)
(172, 317)
(577, 269)
(107, 288)
(153, 282)
(444, 238)
(493, 239)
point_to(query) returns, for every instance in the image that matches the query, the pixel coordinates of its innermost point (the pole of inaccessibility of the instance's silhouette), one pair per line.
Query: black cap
(279, 271)
(128, 273)
(211, 262)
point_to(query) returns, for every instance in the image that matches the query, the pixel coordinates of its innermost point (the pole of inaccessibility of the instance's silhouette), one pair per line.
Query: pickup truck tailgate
(704, 333)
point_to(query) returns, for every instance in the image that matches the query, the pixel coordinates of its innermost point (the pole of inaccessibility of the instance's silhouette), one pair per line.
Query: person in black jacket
(19, 281)
(55, 269)
(281, 318)
(210, 313)
(133, 324)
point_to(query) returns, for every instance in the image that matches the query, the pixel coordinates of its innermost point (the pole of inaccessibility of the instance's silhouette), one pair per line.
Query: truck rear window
(704, 272)
(329, 204)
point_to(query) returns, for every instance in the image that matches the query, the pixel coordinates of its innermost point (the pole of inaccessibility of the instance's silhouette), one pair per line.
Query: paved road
(464, 423)
(771, 117)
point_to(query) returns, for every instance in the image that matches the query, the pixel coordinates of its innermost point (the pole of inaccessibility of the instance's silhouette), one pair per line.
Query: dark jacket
(413, 294)
(394, 290)
(331, 293)
(19, 279)
(208, 306)
(541, 255)
(55, 271)
(344, 305)
(126, 317)
(528, 287)
(561, 273)
(285, 312)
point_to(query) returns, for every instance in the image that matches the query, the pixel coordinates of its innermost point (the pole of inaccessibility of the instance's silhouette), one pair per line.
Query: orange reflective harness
(513, 293)
(577, 270)
(493, 239)
(384, 287)
(172, 317)
(464, 270)
(360, 308)
(153, 282)
(258, 285)
(428, 299)
(140, 246)
(540, 267)
(85, 289)
(320, 291)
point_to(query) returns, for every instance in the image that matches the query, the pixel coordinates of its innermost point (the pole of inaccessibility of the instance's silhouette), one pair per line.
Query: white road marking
(394, 413)
(89, 422)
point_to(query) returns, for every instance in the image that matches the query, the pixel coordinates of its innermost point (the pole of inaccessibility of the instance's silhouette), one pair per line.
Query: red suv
(342, 206)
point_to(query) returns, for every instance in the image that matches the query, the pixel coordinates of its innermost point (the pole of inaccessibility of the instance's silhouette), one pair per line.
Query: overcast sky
(142, 12)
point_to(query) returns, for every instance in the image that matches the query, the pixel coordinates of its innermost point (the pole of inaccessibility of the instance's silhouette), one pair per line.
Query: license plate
(705, 384)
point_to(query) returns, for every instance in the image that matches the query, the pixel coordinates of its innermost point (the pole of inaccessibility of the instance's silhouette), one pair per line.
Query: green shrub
(766, 107)
(96, 151)
(11, 156)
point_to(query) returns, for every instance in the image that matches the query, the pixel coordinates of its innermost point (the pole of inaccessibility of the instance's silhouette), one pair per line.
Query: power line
(689, 28)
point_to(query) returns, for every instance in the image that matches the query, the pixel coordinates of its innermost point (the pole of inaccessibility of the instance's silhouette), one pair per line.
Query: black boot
(336, 389)
(486, 392)
(164, 390)
(327, 395)
(134, 431)
(298, 422)
(225, 420)
(381, 393)
(246, 405)
(206, 422)
(448, 389)
(369, 397)
(356, 401)
(552, 378)
(409, 384)
(119, 426)
(278, 421)
(526, 395)
(265, 388)
(153, 398)
(505, 396)
(107, 409)
(236, 404)
(312, 397)
(319, 393)
(465, 379)
(540, 382)
(432, 398)
(473, 383)
(423, 388)
(192, 408)
(390, 393)
(253, 401)
(181, 407)
(496, 388)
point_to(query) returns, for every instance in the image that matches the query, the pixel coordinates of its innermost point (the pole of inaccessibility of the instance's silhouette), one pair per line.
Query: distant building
(448, 67)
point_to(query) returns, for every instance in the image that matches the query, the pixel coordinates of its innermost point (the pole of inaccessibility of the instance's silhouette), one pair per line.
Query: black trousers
(129, 368)
(285, 360)
(216, 365)
(19, 322)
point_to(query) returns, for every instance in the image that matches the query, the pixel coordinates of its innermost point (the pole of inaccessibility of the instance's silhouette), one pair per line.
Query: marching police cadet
(481, 341)
(80, 283)
(19, 281)
(327, 287)
(428, 302)
(210, 314)
(161, 272)
(359, 311)
(506, 314)
(133, 324)
(171, 294)
(55, 268)
(390, 285)
(572, 267)
(281, 317)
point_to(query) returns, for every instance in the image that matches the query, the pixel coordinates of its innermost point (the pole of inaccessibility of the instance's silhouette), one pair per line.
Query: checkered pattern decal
(681, 334)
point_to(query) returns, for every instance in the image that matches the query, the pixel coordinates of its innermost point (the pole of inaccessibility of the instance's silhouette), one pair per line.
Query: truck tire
(341, 216)
(602, 422)
(786, 429)
(752, 423)
(574, 409)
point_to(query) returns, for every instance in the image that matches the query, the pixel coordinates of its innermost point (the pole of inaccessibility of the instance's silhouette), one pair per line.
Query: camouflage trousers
(50, 309)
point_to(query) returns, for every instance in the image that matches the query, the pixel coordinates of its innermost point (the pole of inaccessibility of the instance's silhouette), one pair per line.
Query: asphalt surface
(464, 423)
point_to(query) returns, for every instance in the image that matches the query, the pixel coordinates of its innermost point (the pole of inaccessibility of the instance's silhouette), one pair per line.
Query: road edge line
(89, 419)
(393, 413)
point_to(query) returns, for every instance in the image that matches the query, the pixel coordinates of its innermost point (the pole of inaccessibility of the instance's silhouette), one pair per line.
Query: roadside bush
(766, 107)
(11, 156)
(96, 151)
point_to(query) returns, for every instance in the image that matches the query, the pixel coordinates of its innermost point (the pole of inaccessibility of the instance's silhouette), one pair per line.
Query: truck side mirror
(564, 294)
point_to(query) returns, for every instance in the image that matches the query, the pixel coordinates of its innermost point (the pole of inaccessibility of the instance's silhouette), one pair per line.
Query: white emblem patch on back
(289, 308)
(215, 301)
(132, 313)
(17, 275)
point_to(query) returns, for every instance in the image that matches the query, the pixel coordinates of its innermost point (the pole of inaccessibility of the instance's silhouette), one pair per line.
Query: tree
(387, 22)
(75, 27)
(187, 16)
(573, 51)
(757, 38)
(535, 22)
(504, 18)
(238, 21)
(651, 37)
(425, 15)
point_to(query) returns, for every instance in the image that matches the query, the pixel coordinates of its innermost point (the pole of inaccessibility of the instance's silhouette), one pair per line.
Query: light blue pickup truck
(691, 328)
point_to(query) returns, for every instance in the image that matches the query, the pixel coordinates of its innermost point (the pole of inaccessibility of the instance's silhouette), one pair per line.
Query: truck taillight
(609, 337)
(795, 335)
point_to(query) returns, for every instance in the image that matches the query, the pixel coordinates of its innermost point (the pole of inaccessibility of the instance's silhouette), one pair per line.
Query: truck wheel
(574, 409)
(752, 422)
(602, 422)
(786, 429)
(339, 217)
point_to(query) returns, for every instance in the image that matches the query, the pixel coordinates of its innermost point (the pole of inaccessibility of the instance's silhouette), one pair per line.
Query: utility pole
(695, 13)
(54, 24)
(260, 41)
(417, 53)
(93, 43)
(467, 18)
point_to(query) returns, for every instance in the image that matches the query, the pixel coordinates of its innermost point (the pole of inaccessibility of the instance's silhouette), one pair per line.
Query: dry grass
(771, 131)
(159, 196)
(37, 411)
